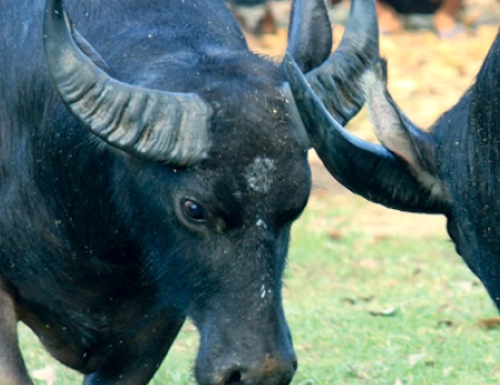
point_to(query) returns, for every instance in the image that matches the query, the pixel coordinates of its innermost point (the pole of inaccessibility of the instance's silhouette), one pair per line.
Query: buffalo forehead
(259, 174)
(275, 184)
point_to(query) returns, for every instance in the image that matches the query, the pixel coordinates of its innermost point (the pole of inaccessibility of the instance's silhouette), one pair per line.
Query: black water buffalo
(147, 160)
(453, 170)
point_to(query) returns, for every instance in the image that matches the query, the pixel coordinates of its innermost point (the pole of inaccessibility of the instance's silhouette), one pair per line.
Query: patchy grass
(363, 308)
(381, 310)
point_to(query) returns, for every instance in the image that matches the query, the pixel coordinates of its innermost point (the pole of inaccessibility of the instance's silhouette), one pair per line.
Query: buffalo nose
(270, 372)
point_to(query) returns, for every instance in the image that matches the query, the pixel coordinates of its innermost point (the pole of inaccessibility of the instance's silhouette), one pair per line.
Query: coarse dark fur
(104, 254)
(468, 159)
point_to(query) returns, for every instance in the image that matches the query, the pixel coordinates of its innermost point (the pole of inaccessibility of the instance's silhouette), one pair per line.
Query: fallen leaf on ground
(335, 235)
(387, 312)
(355, 300)
(489, 323)
(414, 359)
(446, 322)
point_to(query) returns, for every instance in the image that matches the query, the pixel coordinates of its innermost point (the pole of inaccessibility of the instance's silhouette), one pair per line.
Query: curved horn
(367, 169)
(163, 126)
(336, 81)
(309, 33)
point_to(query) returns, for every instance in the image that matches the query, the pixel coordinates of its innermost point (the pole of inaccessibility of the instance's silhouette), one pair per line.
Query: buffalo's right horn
(164, 126)
(336, 81)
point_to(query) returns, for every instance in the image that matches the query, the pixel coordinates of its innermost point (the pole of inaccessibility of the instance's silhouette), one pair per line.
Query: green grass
(429, 336)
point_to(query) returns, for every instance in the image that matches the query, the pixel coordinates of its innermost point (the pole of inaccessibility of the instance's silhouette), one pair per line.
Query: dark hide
(470, 135)
(105, 247)
(453, 169)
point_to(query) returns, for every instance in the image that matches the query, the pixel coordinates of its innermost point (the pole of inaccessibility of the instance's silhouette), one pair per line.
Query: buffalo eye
(193, 211)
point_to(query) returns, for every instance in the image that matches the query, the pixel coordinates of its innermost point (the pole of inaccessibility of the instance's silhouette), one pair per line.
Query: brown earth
(427, 76)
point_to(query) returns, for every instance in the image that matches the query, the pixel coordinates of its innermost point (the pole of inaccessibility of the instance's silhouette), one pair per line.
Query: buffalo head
(169, 179)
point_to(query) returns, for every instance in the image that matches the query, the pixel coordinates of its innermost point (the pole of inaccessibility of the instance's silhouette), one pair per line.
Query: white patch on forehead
(259, 174)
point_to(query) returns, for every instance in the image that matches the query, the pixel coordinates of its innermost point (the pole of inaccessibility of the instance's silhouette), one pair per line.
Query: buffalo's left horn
(163, 126)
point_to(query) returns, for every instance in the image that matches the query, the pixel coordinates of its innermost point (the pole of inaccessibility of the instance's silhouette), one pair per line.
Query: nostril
(234, 377)
(271, 371)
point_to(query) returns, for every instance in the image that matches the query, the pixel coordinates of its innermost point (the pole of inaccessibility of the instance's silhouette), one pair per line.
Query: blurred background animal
(446, 14)
(255, 16)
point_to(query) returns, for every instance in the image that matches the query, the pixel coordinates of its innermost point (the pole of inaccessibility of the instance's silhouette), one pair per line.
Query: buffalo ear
(310, 34)
(396, 132)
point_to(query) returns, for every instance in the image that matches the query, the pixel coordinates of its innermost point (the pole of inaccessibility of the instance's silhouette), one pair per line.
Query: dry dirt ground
(426, 77)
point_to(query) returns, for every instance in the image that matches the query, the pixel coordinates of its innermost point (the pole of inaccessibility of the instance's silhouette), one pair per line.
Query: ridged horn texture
(336, 81)
(367, 169)
(162, 126)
